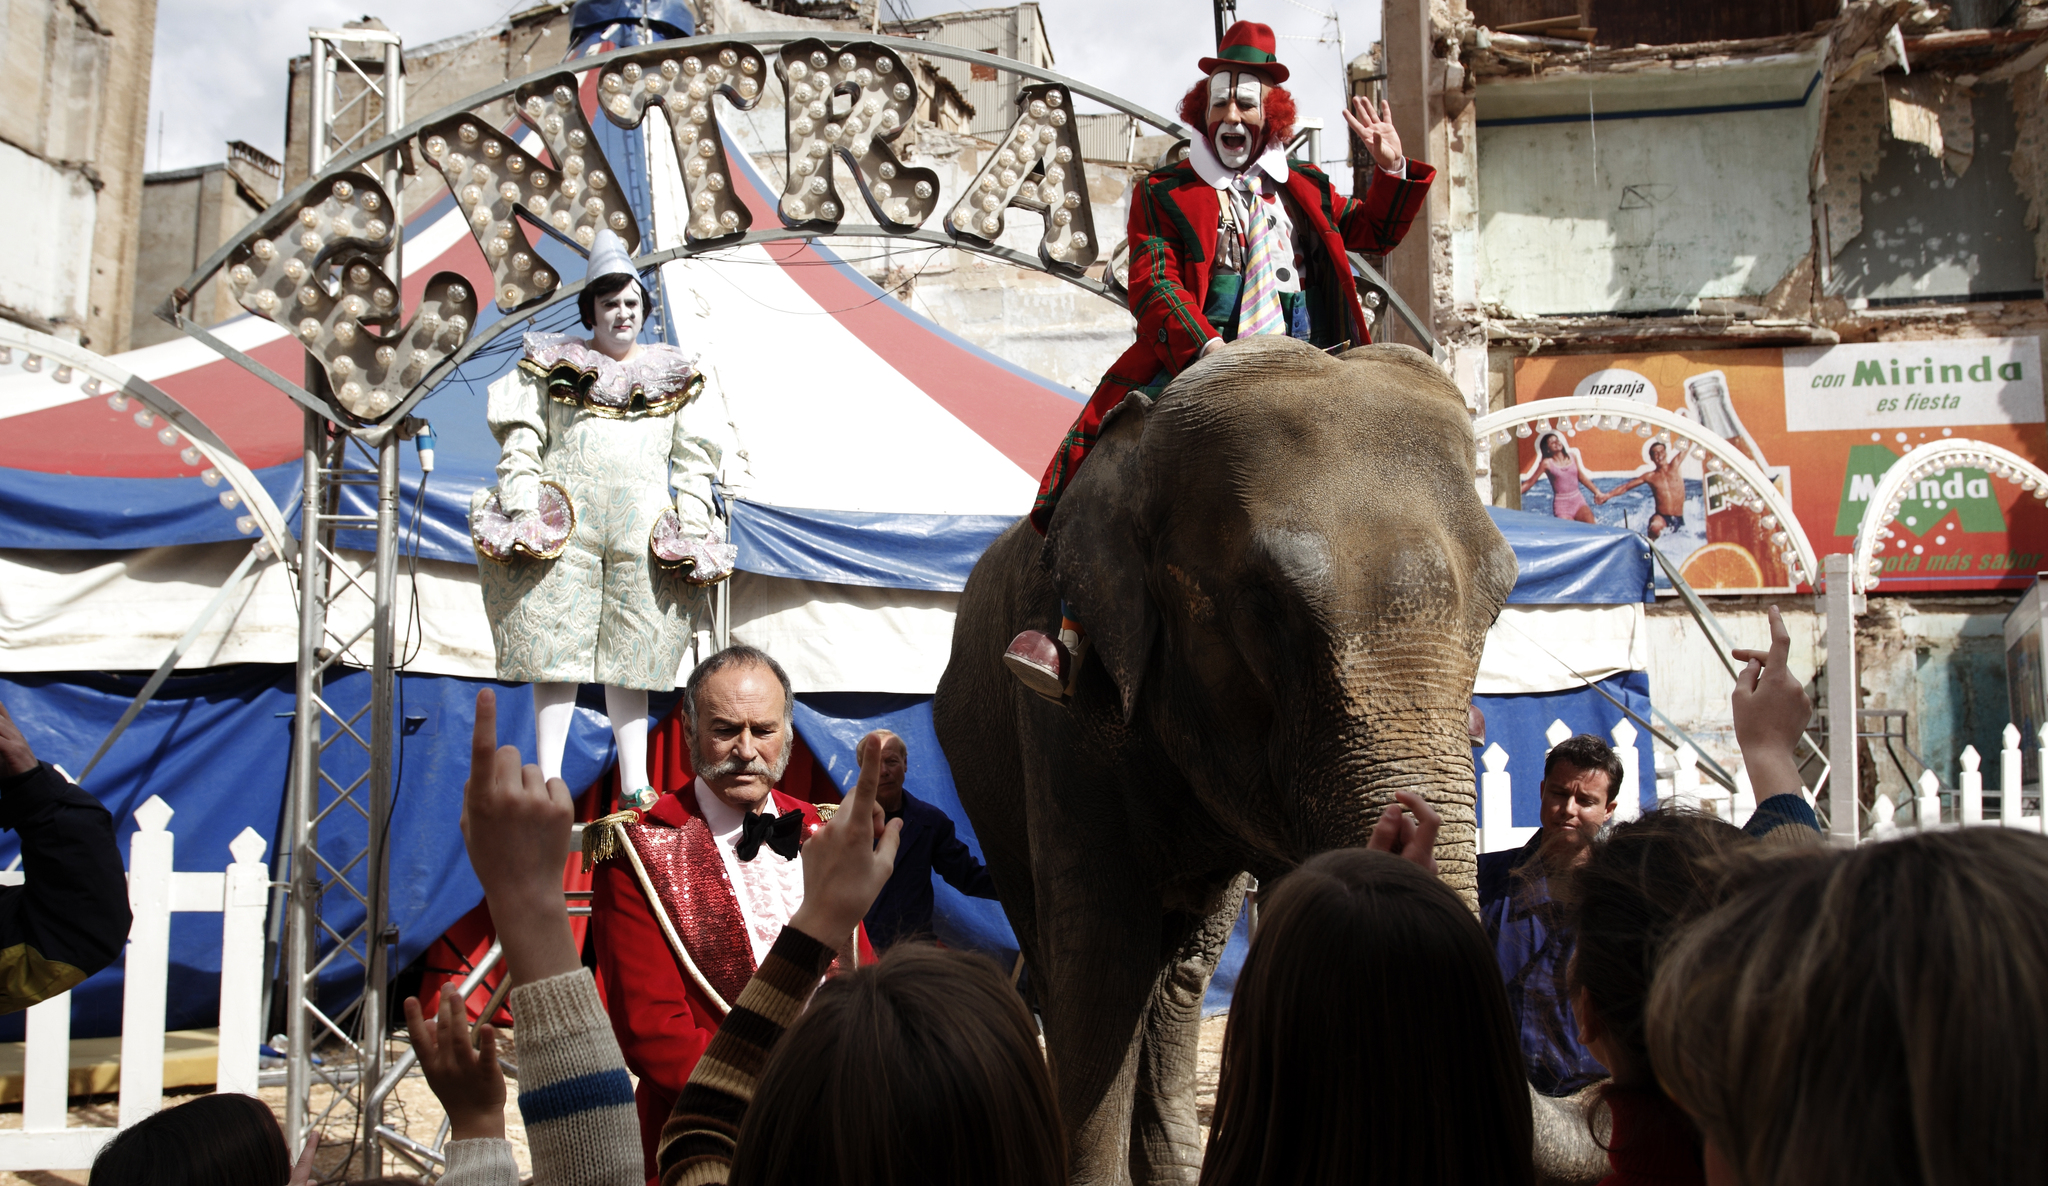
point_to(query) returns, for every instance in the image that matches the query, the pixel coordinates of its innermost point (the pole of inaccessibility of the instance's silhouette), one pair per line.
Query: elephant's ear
(1099, 550)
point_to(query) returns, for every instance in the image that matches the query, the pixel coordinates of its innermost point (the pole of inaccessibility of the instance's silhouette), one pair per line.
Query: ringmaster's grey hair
(738, 654)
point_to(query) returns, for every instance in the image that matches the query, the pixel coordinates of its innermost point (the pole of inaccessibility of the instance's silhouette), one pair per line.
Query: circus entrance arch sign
(318, 261)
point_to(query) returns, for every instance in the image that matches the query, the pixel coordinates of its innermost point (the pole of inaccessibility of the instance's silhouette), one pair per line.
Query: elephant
(1287, 577)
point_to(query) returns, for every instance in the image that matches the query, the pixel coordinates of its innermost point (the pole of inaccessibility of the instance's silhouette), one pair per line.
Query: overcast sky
(220, 64)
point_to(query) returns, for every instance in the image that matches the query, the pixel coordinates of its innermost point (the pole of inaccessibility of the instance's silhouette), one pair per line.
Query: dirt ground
(414, 1111)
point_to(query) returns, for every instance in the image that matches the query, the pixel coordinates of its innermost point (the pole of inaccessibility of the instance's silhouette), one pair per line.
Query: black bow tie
(784, 833)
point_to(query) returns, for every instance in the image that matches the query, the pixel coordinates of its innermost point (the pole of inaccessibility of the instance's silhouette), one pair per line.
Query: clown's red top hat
(1247, 46)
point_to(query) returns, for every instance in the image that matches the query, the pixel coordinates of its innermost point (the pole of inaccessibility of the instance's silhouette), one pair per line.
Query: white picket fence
(1967, 808)
(1683, 787)
(239, 894)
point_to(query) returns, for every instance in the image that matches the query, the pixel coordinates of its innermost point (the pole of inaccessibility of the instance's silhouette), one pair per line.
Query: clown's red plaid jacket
(1174, 219)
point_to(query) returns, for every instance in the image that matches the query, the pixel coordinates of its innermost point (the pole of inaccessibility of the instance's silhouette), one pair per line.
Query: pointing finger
(1427, 821)
(483, 737)
(892, 838)
(1781, 639)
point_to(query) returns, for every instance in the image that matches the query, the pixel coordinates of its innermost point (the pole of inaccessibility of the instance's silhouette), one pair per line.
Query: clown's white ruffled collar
(1202, 155)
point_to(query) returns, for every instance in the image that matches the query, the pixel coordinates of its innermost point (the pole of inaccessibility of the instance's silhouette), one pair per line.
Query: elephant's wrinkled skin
(1288, 578)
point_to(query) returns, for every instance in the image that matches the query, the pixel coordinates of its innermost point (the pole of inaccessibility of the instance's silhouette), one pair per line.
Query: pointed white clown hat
(608, 257)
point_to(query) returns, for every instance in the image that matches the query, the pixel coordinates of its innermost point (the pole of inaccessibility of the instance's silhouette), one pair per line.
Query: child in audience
(1638, 885)
(1369, 1038)
(215, 1140)
(574, 1093)
(1645, 879)
(1868, 1016)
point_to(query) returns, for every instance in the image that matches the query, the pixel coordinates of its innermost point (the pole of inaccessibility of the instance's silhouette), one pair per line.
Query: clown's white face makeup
(617, 329)
(1237, 116)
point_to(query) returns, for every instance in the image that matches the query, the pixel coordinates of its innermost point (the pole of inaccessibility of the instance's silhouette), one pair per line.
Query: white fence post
(243, 902)
(154, 891)
(1496, 800)
(1630, 805)
(1970, 787)
(1556, 735)
(148, 965)
(46, 1068)
(1927, 807)
(2009, 778)
(1882, 823)
(2041, 769)
(1685, 779)
(1744, 803)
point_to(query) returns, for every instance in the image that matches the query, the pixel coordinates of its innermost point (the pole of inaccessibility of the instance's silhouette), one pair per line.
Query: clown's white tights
(554, 708)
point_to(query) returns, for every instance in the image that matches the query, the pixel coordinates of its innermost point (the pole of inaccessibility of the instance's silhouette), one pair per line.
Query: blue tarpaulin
(863, 548)
(216, 747)
(74, 512)
(1566, 562)
(1562, 561)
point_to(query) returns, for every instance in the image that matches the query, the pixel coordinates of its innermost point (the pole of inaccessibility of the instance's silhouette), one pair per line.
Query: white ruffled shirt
(768, 888)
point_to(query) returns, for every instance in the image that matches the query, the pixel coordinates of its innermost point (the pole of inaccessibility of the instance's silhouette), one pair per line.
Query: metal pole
(394, 178)
(302, 928)
(377, 940)
(1840, 600)
(317, 84)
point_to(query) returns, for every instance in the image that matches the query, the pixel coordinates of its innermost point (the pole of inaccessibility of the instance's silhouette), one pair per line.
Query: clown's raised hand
(1376, 132)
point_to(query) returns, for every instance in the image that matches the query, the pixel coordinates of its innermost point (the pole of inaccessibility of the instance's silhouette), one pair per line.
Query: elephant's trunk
(1404, 731)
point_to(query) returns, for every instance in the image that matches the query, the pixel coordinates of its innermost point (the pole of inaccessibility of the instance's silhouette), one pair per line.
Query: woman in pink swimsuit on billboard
(1567, 474)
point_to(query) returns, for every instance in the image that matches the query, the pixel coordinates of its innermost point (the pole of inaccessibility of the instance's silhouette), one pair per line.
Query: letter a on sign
(850, 103)
(1038, 168)
(496, 183)
(683, 88)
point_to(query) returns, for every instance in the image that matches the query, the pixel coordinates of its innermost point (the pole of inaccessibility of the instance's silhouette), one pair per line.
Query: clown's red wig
(1194, 112)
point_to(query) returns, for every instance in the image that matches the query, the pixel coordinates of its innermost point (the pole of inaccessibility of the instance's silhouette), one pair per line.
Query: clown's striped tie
(1259, 310)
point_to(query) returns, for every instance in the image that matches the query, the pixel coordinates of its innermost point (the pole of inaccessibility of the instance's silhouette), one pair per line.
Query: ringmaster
(690, 893)
(1235, 240)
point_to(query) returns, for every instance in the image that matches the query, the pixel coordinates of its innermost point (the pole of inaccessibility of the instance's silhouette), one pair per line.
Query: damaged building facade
(1752, 214)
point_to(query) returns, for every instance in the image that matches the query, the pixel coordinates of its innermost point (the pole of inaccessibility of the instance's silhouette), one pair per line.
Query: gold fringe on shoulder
(601, 838)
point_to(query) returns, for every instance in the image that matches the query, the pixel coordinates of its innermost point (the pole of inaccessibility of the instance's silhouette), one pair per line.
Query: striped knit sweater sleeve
(1785, 823)
(697, 1142)
(574, 1095)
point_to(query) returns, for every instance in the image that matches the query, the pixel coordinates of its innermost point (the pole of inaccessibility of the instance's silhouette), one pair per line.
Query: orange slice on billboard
(1722, 566)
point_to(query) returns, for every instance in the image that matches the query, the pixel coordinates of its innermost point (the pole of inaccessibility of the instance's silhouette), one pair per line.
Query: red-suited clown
(690, 892)
(1235, 240)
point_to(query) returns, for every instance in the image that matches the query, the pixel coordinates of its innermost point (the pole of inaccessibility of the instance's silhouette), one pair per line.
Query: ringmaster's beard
(735, 765)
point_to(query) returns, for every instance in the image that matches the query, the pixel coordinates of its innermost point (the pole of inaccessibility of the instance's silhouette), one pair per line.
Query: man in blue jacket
(904, 908)
(1582, 779)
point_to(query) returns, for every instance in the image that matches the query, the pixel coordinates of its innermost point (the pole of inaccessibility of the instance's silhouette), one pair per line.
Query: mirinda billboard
(1824, 423)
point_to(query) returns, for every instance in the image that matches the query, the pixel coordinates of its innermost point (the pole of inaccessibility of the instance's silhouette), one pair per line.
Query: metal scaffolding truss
(336, 925)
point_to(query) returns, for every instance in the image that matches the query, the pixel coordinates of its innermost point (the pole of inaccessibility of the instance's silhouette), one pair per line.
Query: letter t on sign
(683, 88)
(1037, 168)
(497, 183)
